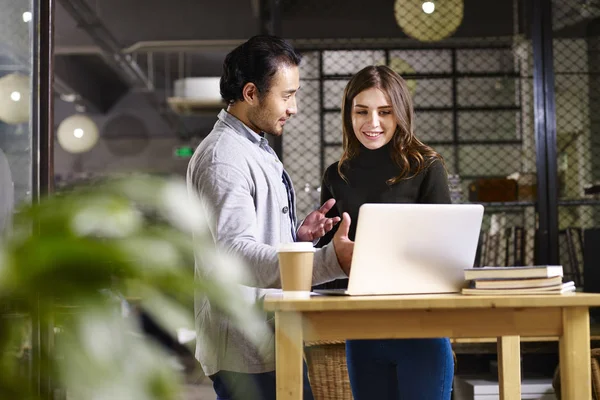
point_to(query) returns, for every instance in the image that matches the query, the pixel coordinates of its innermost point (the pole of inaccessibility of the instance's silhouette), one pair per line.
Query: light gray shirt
(241, 179)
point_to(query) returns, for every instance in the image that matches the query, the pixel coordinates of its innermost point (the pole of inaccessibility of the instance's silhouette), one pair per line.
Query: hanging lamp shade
(77, 133)
(446, 17)
(14, 99)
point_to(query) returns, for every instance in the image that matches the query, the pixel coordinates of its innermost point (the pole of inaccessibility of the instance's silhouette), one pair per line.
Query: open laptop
(412, 248)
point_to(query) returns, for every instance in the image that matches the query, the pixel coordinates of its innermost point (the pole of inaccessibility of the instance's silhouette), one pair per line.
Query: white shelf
(486, 388)
(191, 106)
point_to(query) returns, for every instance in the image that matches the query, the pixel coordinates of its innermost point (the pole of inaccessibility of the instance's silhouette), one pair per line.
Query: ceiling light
(428, 7)
(68, 98)
(77, 133)
(413, 19)
(27, 16)
(14, 98)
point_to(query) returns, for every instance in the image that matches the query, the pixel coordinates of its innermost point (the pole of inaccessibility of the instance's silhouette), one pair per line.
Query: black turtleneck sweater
(367, 176)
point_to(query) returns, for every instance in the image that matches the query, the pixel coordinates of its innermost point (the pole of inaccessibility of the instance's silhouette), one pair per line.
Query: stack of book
(516, 280)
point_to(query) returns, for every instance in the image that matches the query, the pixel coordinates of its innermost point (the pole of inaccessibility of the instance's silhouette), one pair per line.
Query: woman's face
(373, 120)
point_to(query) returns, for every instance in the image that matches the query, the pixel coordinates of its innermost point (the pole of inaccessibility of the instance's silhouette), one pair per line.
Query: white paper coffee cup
(296, 268)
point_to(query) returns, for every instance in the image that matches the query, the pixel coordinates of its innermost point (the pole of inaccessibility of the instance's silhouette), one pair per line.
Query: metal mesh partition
(473, 97)
(576, 56)
(17, 161)
(15, 97)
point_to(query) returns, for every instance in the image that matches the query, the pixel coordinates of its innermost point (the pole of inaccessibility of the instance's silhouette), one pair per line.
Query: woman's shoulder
(434, 170)
(427, 163)
(435, 164)
(331, 176)
(332, 170)
(429, 166)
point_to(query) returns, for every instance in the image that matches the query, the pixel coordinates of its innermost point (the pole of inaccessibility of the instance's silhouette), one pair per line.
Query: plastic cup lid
(296, 246)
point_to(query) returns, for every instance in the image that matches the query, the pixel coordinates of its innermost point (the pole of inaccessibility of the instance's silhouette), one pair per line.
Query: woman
(384, 162)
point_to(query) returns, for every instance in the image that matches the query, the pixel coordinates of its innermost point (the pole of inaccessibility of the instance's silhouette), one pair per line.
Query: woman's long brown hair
(409, 153)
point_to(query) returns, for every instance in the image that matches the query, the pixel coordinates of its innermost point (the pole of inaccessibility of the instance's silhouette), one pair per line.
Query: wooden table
(447, 315)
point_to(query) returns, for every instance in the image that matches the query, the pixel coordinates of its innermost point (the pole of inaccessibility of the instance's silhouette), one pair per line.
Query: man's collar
(241, 128)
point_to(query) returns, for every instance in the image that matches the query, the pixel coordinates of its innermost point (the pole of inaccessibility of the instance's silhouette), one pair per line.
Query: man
(254, 210)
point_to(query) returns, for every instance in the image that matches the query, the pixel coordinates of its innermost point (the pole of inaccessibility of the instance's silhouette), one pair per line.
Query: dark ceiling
(84, 65)
(132, 21)
(136, 22)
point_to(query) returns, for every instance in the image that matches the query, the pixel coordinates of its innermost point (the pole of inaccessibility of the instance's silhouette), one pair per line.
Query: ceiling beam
(111, 51)
(182, 45)
(110, 48)
(89, 82)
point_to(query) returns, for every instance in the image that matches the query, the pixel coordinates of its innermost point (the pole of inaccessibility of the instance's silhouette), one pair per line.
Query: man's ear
(250, 93)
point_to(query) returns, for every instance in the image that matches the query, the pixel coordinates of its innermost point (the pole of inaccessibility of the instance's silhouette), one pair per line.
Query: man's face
(277, 105)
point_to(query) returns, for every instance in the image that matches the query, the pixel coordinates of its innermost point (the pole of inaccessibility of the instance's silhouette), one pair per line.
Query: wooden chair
(328, 372)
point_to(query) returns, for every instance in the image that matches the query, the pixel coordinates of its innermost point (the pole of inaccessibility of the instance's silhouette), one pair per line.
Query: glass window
(15, 106)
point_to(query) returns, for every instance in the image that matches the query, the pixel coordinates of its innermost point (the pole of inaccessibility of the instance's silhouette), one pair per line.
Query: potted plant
(77, 259)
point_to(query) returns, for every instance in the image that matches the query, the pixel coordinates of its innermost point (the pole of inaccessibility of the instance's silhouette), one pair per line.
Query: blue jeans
(406, 369)
(239, 386)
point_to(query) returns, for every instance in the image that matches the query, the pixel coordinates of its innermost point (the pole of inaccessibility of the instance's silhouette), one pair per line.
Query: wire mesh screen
(473, 99)
(15, 94)
(576, 52)
(15, 23)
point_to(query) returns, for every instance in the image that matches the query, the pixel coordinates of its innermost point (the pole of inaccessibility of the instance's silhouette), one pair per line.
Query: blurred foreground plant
(70, 259)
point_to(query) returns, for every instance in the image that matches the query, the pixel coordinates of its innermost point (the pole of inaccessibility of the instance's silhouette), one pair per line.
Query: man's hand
(316, 224)
(344, 247)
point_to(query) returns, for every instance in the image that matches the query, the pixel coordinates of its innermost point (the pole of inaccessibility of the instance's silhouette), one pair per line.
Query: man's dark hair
(256, 61)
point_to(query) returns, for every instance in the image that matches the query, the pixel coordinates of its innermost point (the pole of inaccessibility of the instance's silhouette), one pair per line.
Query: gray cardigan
(240, 177)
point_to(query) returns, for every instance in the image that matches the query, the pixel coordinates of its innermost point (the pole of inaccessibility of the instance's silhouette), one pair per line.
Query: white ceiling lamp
(14, 99)
(429, 21)
(428, 7)
(77, 133)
